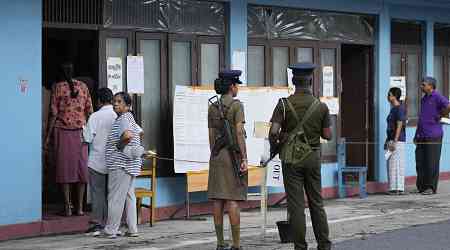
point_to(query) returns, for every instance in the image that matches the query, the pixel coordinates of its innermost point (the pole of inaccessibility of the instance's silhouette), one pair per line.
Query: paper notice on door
(399, 82)
(328, 81)
(332, 104)
(238, 62)
(291, 86)
(135, 74)
(114, 74)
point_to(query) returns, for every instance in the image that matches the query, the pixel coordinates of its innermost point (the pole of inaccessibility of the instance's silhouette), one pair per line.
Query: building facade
(186, 42)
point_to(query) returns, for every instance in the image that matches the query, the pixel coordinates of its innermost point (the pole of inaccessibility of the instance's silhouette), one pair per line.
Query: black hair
(301, 81)
(222, 85)
(104, 95)
(430, 80)
(67, 75)
(396, 92)
(125, 96)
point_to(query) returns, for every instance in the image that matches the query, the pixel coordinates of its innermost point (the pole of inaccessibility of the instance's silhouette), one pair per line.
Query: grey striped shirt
(116, 159)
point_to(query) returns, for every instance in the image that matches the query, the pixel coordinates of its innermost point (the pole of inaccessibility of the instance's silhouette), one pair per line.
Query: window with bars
(85, 12)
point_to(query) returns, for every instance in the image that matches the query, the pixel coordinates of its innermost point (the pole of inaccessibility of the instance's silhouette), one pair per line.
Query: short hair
(396, 92)
(301, 81)
(104, 95)
(430, 80)
(125, 96)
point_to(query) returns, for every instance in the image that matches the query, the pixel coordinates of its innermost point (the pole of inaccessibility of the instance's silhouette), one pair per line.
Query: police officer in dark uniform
(305, 176)
(224, 186)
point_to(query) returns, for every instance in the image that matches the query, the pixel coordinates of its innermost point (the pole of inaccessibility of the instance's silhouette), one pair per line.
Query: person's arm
(125, 133)
(326, 124)
(443, 105)
(398, 130)
(53, 115)
(445, 111)
(277, 119)
(88, 105)
(241, 136)
(89, 131)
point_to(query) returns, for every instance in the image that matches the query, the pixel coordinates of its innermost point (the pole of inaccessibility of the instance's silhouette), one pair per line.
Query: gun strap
(306, 116)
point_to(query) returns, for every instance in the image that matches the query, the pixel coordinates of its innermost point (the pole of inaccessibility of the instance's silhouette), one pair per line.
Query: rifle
(230, 143)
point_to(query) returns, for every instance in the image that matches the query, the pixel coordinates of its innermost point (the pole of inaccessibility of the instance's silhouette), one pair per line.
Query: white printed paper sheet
(190, 124)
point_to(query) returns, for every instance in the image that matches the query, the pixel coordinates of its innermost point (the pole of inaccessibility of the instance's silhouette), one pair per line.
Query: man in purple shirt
(428, 138)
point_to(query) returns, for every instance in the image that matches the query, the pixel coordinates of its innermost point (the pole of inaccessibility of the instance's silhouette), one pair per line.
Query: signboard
(399, 82)
(135, 74)
(274, 173)
(114, 74)
(328, 81)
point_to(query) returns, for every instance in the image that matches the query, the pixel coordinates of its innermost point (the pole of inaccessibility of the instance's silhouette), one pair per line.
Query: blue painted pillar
(383, 65)
(429, 48)
(237, 32)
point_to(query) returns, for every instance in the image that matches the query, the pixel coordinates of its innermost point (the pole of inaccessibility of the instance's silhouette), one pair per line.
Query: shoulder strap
(308, 113)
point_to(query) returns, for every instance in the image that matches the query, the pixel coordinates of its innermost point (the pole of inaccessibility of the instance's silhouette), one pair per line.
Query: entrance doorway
(58, 46)
(357, 111)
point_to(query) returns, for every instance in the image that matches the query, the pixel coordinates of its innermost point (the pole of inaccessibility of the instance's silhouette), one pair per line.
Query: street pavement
(378, 222)
(431, 237)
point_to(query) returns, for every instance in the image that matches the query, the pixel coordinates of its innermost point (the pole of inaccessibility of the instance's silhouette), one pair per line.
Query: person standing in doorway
(395, 142)
(224, 186)
(71, 105)
(304, 115)
(428, 138)
(95, 133)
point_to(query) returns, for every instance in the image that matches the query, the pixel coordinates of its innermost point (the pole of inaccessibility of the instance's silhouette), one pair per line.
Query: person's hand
(126, 137)
(244, 166)
(391, 146)
(46, 145)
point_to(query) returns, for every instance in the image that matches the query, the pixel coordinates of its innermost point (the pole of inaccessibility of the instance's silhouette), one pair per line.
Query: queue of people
(115, 152)
(297, 124)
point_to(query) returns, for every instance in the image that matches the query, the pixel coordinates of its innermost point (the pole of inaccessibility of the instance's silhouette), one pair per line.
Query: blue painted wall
(20, 35)
(20, 155)
(174, 189)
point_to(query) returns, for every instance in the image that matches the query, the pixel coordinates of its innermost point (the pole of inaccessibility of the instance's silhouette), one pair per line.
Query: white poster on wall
(399, 82)
(238, 62)
(135, 74)
(114, 74)
(291, 86)
(328, 81)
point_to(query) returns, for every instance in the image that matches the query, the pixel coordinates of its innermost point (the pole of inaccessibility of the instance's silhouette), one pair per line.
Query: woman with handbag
(123, 160)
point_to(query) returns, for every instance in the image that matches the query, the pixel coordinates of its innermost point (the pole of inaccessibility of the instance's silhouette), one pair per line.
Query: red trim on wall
(74, 224)
(48, 226)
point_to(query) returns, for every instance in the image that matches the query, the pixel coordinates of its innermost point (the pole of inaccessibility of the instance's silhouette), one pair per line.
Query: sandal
(68, 209)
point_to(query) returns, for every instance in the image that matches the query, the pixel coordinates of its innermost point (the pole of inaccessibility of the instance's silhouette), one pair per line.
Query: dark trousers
(306, 177)
(428, 155)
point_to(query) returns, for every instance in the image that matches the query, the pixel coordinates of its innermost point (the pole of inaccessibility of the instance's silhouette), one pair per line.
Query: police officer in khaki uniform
(306, 176)
(224, 186)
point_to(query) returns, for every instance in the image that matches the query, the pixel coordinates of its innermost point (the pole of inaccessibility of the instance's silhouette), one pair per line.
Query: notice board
(190, 124)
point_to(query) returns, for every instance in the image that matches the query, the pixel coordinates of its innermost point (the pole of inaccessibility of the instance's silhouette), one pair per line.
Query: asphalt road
(424, 237)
